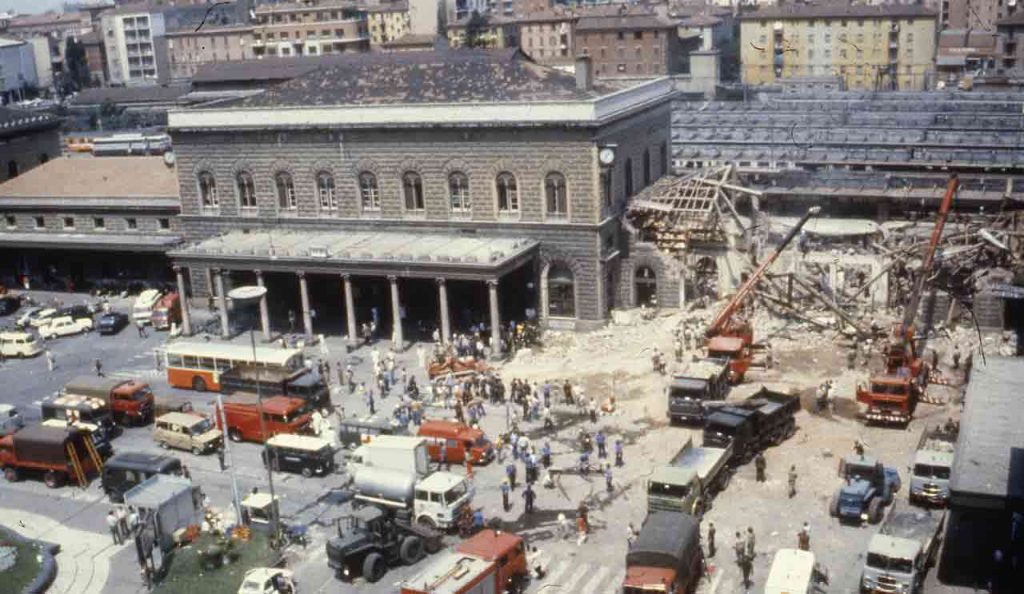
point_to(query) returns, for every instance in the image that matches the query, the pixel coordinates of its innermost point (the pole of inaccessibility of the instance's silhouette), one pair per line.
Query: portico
(399, 275)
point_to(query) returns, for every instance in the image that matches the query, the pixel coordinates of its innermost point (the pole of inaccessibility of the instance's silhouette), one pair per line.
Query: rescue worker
(741, 559)
(608, 478)
(792, 481)
(760, 464)
(510, 473)
(618, 452)
(545, 454)
(529, 496)
(803, 538)
(600, 438)
(504, 494)
(711, 539)
(750, 543)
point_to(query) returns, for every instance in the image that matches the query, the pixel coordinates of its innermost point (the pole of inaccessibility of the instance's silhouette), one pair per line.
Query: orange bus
(198, 365)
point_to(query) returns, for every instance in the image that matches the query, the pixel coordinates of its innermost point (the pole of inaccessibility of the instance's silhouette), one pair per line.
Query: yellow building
(387, 22)
(884, 47)
(500, 32)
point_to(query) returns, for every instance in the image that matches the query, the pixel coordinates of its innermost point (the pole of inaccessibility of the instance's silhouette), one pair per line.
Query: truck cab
(891, 399)
(10, 419)
(692, 389)
(730, 426)
(130, 401)
(736, 351)
(867, 488)
(900, 555)
(280, 415)
(794, 572)
(440, 499)
(933, 466)
(487, 562)
(666, 557)
(461, 442)
(84, 412)
(304, 454)
(367, 543)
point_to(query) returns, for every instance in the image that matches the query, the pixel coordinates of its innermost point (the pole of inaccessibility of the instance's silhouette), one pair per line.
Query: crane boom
(730, 308)
(929, 256)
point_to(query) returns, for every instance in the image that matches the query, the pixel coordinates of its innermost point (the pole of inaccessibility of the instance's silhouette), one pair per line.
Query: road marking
(554, 575)
(596, 579)
(581, 570)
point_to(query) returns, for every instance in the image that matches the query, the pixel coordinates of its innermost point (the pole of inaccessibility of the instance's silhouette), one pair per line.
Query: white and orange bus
(198, 365)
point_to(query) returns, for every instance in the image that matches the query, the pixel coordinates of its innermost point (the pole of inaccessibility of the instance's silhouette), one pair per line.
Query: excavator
(892, 396)
(731, 337)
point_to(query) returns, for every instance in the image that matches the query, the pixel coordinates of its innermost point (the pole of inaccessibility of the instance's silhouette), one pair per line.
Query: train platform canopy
(373, 253)
(90, 241)
(989, 468)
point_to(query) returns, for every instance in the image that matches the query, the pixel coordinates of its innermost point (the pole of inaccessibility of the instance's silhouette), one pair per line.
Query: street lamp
(248, 297)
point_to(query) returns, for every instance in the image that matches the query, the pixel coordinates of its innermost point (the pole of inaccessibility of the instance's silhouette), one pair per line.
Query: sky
(30, 6)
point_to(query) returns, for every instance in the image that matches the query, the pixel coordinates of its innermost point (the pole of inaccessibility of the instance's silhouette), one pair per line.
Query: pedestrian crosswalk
(569, 575)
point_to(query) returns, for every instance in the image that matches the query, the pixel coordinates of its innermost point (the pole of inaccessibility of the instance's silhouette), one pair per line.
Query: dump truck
(393, 452)
(762, 420)
(489, 562)
(900, 555)
(435, 501)
(701, 384)
(666, 556)
(690, 480)
(371, 539)
(933, 465)
(131, 402)
(59, 454)
(868, 486)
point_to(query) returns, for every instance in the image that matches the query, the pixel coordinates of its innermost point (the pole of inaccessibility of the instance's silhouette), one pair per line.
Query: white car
(267, 580)
(42, 318)
(65, 326)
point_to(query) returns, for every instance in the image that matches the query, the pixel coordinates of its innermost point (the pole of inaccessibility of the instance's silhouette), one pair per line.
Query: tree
(76, 63)
(476, 27)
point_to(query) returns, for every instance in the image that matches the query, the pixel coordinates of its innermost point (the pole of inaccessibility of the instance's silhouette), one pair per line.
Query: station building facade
(423, 190)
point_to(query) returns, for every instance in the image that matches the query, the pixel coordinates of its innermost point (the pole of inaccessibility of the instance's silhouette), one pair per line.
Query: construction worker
(803, 538)
(618, 451)
(792, 481)
(760, 464)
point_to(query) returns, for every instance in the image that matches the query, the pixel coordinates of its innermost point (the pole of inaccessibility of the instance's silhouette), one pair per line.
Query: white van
(19, 344)
(142, 311)
(794, 572)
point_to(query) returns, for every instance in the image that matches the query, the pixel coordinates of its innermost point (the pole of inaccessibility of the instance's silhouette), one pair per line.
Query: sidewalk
(83, 563)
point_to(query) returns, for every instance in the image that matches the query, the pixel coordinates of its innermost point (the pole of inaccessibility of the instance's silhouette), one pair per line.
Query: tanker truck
(434, 501)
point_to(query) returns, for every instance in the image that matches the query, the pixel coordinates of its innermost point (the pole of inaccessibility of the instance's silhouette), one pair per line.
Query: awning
(426, 255)
(90, 241)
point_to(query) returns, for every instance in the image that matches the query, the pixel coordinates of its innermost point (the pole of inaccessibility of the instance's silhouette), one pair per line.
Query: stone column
(396, 314)
(350, 310)
(492, 290)
(186, 316)
(442, 298)
(222, 302)
(264, 310)
(307, 319)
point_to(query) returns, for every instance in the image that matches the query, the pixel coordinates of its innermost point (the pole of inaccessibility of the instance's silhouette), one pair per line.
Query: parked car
(19, 344)
(65, 326)
(267, 580)
(9, 304)
(112, 322)
(75, 311)
(42, 317)
(27, 315)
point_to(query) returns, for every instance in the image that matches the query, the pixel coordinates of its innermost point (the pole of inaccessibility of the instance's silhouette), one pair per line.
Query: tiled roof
(13, 121)
(266, 69)
(448, 76)
(47, 18)
(227, 29)
(837, 10)
(700, 20)
(142, 94)
(625, 22)
(392, 7)
(96, 177)
(413, 40)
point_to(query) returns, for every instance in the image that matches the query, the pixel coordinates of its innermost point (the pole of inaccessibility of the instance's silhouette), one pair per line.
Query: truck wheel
(411, 550)
(11, 474)
(53, 480)
(875, 511)
(373, 567)
(307, 471)
(234, 435)
(198, 384)
(433, 545)
(427, 522)
(833, 506)
(197, 451)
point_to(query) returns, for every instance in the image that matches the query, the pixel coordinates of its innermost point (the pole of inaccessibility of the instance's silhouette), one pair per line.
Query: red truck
(280, 415)
(488, 563)
(56, 453)
(460, 442)
(131, 402)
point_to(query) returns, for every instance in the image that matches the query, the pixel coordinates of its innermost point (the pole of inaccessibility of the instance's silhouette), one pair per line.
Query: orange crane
(731, 337)
(892, 396)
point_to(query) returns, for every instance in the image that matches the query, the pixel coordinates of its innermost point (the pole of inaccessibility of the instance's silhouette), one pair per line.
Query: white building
(129, 36)
(17, 69)
(43, 49)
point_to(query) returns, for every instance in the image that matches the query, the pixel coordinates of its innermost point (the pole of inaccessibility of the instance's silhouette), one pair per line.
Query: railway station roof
(371, 253)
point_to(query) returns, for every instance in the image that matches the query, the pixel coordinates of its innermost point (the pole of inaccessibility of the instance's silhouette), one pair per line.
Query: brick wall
(85, 222)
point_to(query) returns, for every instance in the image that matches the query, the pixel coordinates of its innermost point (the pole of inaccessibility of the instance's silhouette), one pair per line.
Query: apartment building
(629, 43)
(17, 69)
(500, 32)
(310, 28)
(189, 49)
(885, 47)
(387, 22)
(548, 37)
(977, 14)
(130, 39)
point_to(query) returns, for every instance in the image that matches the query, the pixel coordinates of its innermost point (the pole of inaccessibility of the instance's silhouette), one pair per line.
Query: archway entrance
(561, 292)
(646, 286)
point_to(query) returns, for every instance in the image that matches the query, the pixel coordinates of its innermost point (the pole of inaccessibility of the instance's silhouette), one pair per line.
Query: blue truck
(868, 487)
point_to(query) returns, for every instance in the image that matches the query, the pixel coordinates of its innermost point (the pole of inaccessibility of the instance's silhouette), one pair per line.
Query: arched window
(369, 192)
(285, 191)
(12, 169)
(555, 199)
(508, 193)
(325, 190)
(412, 190)
(207, 190)
(647, 167)
(458, 191)
(561, 291)
(646, 282)
(629, 177)
(246, 190)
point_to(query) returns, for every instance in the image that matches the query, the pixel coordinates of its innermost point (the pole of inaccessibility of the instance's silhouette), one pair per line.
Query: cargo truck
(701, 384)
(490, 562)
(280, 415)
(435, 501)
(131, 402)
(900, 555)
(933, 465)
(762, 420)
(58, 454)
(666, 557)
(392, 452)
(690, 480)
